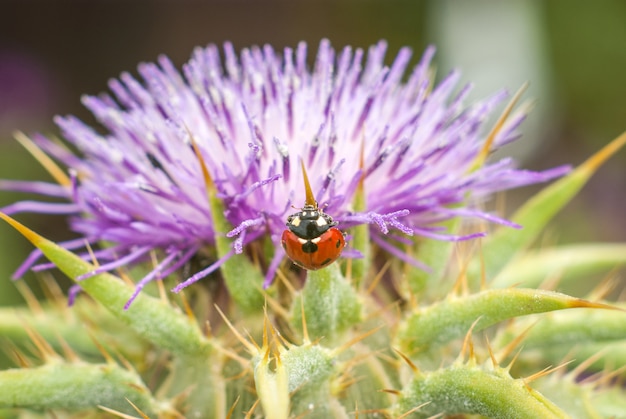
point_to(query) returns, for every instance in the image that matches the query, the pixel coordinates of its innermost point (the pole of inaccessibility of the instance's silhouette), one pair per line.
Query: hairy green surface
(373, 338)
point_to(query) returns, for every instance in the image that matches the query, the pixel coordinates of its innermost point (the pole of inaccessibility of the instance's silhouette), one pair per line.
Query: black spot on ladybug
(338, 245)
(309, 247)
(326, 262)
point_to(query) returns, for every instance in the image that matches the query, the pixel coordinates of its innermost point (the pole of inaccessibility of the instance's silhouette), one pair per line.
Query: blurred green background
(573, 52)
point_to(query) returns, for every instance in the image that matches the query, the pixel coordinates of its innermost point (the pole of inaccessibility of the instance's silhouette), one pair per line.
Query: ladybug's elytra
(311, 240)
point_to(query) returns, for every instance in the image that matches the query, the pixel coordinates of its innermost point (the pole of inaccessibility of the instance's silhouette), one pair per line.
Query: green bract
(340, 345)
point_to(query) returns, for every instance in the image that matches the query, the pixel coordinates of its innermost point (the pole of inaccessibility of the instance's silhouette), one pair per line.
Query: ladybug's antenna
(310, 199)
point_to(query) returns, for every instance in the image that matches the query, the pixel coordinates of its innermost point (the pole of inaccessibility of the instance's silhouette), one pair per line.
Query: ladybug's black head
(310, 223)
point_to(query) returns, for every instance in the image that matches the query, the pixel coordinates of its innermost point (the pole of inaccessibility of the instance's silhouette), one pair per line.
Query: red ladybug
(311, 240)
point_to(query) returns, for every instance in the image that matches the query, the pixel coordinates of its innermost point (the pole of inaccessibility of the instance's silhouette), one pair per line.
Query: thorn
(124, 275)
(251, 339)
(596, 160)
(494, 361)
(94, 260)
(468, 344)
(266, 326)
(186, 306)
(394, 307)
(109, 359)
(252, 349)
(432, 76)
(486, 149)
(53, 292)
(232, 408)
(382, 311)
(125, 362)
(305, 330)
(356, 360)
(483, 271)
(143, 415)
(310, 198)
(588, 362)
(415, 409)
(285, 281)
(551, 281)
(500, 206)
(605, 378)
(345, 381)
(256, 252)
(124, 415)
(28, 234)
(580, 303)
(67, 349)
(162, 292)
(545, 371)
(375, 413)
(160, 285)
(606, 286)
(208, 332)
(277, 308)
(407, 360)
(510, 365)
(354, 340)
(460, 286)
(208, 181)
(348, 274)
(378, 277)
(390, 391)
(18, 357)
(284, 341)
(508, 349)
(360, 189)
(116, 413)
(44, 348)
(244, 372)
(394, 362)
(51, 167)
(31, 301)
(251, 411)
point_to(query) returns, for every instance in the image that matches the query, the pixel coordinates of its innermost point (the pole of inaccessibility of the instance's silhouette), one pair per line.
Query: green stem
(330, 304)
(471, 390)
(243, 280)
(452, 318)
(152, 318)
(75, 387)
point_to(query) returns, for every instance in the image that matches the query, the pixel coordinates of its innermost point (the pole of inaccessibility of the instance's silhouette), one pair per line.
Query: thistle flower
(138, 185)
(208, 162)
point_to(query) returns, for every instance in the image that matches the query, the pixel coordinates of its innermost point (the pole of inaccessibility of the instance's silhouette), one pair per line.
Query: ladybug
(311, 240)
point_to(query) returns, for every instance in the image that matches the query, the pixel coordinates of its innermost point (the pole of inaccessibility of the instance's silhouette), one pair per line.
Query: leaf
(500, 248)
(55, 327)
(568, 262)
(243, 279)
(585, 326)
(463, 389)
(150, 317)
(75, 387)
(453, 317)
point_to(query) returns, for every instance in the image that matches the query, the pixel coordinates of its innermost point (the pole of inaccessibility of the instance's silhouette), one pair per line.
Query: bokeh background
(573, 53)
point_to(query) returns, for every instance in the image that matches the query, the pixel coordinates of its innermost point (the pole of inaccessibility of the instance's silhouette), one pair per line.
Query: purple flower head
(138, 184)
